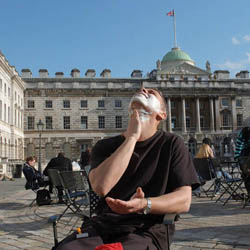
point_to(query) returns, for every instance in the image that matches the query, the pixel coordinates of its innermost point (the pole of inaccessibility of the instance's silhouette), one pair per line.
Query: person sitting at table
(206, 151)
(242, 149)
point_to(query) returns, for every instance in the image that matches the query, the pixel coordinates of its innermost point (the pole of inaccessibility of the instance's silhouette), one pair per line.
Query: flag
(170, 13)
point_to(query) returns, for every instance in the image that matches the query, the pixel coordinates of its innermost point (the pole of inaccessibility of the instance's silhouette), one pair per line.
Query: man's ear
(161, 116)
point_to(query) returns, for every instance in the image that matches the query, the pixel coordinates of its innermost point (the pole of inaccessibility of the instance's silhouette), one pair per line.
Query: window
(188, 123)
(66, 122)
(224, 102)
(118, 103)
(31, 104)
(8, 114)
(173, 122)
(5, 113)
(239, 120)
(172, 105)
(238, 103)
(101, 121)
(202, 122)
(101, 104)
(5, 88)
(31, 122)
(84, 103)
(49, 122)
(225, 120)
(201, 105)
(9, 92)
(187, 105)
(1, 84)
(84, 122)
(118, 121)
(66, 104)
(48, 104)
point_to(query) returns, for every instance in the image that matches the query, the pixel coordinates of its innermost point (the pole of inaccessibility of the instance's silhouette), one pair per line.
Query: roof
(176, 54)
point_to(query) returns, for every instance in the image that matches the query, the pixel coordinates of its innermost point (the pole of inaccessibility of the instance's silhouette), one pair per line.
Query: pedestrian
(60, 163)
(140, 175)
(85, 158)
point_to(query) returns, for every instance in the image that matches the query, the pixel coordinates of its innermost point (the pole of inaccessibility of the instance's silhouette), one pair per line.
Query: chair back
(55, 177)
(74, 181)
(203, 168)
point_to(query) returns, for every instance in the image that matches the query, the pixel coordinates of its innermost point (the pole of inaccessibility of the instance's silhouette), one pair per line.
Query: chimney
(90, 73)
(243, 74)
(136, 74)
(106, 73)
(43, 73)
(59, 74)
(26, 73)
(75, 73)
(221, 74)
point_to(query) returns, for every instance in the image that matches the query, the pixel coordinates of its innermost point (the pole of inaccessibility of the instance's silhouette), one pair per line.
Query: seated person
(3, 177)
(206, 151)
(140, 175)
(242, 149)
(34, 179)
(60, 163)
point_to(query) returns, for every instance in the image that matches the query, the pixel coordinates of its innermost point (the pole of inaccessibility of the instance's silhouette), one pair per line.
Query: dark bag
(43, 197)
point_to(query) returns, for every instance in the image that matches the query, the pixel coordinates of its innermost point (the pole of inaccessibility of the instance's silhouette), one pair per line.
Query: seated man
(140, 175)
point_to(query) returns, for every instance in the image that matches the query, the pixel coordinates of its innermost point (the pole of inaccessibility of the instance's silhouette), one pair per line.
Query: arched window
(49, 151)
(67, 149)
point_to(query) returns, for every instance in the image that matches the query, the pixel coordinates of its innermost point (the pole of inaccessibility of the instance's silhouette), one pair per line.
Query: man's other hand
(134, 205)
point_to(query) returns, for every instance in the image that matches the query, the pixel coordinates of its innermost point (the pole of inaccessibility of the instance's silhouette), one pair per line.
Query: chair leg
(31, 204)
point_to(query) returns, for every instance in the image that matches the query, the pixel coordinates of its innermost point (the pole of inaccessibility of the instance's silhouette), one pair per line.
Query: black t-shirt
(158, 165)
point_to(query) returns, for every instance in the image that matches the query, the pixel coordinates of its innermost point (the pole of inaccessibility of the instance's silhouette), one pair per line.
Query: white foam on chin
(152, 103)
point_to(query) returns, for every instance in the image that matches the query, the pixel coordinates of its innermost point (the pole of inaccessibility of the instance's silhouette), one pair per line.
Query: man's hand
(134, 126)
(134, 205)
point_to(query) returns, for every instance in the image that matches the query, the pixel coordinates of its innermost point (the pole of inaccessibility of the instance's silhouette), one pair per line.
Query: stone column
(184, 128)
(211, 108)
(234, 118)
(198, 124)
(217, 114)
(169, 119)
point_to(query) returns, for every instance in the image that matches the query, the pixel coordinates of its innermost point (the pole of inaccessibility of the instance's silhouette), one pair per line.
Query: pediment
(184, 69)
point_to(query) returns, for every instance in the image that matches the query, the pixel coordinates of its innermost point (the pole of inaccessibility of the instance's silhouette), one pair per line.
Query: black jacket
(60, 163)
(34, 178)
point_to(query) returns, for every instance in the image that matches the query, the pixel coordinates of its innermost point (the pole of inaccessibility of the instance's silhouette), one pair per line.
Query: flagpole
(175, 41)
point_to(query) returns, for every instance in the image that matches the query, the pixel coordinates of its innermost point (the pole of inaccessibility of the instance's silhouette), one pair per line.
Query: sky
(123, 35)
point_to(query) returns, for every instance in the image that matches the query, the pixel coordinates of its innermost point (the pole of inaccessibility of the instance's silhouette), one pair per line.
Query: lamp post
(40, 127)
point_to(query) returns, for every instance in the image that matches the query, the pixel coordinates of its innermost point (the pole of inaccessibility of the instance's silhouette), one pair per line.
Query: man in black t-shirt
(140, 176)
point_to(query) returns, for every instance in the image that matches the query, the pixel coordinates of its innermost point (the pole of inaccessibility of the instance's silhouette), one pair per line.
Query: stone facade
(79, 110)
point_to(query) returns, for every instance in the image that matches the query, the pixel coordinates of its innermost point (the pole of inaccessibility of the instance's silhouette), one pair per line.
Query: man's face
(146, 101)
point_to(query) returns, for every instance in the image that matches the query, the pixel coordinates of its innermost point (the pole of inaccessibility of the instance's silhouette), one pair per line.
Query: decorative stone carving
(208, 68)
(158, 64)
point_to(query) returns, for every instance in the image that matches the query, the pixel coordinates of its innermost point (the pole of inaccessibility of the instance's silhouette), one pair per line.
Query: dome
(176, 54)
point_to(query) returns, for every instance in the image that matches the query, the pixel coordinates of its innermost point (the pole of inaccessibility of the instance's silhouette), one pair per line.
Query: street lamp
(40, 127)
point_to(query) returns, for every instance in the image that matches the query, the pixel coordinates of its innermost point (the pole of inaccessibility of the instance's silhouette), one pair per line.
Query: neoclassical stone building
(79, 110)
(11, 116)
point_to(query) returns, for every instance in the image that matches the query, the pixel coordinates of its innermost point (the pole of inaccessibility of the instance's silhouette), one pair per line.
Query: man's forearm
(178, 201)
(107, 174)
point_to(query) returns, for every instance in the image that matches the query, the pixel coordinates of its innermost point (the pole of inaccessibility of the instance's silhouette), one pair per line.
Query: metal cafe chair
(204, 172)
(230, 186)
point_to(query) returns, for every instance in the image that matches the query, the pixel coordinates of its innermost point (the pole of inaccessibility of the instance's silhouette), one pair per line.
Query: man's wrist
(147, 206)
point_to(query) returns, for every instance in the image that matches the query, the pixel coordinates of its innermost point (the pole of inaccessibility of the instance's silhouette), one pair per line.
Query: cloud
(238, 65)
(235, 41)
(246, 38)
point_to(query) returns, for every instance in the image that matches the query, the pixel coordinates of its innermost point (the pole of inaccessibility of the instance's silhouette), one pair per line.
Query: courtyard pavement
(208, 225)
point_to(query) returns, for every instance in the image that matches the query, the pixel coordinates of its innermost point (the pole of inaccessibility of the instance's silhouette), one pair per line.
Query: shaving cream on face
(143, 114)
(151, 102)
